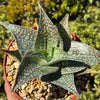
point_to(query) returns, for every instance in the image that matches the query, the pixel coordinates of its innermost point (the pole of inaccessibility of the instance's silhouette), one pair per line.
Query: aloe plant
(49, 53)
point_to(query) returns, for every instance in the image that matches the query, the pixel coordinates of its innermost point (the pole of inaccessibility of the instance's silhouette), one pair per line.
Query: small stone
(69, 92)
(29, 90)
(14, 45)
(50, 86)
(40, 89)
(49, 97)
(23, 93)
(68, 98)
(9, 61)
(32, 95)
(29, 99)
(8, 69)
(12, 83)
(42, 98)
(45, 87)
(16, 64)
(11, 48)
(38, 96)
(44, 83)
(24, 98)
(44, 93)
(15, 73)
(32, 87)
(23, 86)
(11, 58)
(19, 92)
(37, 86)
(49, 90)
(9, 78)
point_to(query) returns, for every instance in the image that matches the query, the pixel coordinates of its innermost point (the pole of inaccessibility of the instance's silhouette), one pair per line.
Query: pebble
(23, 87)
(16, 65)
(40, 89)
(9, 62)
(49, 97)
(14, 45)
(45, 87)
(29, 90)
(12, 83)
(32, 95)
(9, 78)
(11, 48)
(23, 93)
(38, 96)
(32, 87)
(8, 69)
(42, 98)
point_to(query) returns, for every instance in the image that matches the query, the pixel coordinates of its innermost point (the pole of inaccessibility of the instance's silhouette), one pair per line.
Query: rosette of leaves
(49, 54)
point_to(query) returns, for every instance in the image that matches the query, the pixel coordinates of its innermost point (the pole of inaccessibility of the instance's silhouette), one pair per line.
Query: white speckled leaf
(30, 68)
(65, 37)
(84, 53)
(25, 37)
(64, 22)
(14, 54)
(48, 36)
(58, 55)
(70, 66)
(67, 82)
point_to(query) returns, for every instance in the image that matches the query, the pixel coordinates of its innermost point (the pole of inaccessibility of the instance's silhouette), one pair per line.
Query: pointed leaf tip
(67, 82)
(64, 22)
(25, 37)
(87, 71)
(14, 54)
(48, 37)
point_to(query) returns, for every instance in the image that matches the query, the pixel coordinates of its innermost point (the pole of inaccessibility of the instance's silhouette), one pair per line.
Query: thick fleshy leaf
(84, 53)
(30, 68)
(58, 55)
(14, 54)
(70, 66)
(48, 37)
(67, 82)
(64, 22)
(87, 71)
(66, 39)
(25, 37)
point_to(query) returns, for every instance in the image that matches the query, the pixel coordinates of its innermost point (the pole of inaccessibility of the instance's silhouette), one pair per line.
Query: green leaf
(48, 37)
(87, 71)
(58, 55)
(30, 68)
(25, 37)
(70, 66)
(83, 53)
(15, 54)
(64, 22)
(65, 37)
(64, 31)
(67, 82)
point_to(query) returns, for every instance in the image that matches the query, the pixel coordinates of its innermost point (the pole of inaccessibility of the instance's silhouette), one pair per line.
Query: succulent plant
(49, 53)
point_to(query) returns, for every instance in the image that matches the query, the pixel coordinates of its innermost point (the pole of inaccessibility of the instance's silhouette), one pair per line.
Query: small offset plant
(49, 53)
